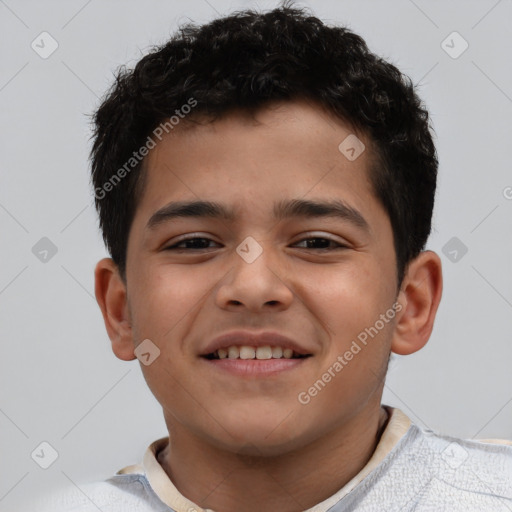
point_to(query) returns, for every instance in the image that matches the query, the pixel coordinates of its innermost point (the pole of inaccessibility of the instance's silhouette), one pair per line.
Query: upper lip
(253, 339)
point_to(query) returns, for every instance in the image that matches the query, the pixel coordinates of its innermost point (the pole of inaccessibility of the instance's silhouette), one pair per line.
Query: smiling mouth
(247, 352)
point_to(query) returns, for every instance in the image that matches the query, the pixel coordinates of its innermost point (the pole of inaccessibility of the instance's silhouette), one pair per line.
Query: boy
(305, 166)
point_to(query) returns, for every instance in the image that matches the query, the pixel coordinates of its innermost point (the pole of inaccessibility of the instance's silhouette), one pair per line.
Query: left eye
(324, 242)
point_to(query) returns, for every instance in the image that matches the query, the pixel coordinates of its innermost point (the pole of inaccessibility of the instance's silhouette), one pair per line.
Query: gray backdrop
(59, 381)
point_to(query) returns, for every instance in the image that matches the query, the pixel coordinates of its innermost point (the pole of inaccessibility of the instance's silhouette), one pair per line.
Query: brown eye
(191, 243)
(321, 243)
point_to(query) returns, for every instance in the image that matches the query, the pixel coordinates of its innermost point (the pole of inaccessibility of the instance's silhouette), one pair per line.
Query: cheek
(348, 303)
(164, 298)
(346, 297)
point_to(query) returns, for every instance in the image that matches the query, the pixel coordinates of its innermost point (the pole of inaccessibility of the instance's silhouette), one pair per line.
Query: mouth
(254, 355)
(250, 362)
(247, 352)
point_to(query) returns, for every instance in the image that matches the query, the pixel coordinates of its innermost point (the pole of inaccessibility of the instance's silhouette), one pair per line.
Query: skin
(248, 443)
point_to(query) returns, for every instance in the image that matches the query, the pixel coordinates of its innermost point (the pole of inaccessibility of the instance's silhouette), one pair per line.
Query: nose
(256, 285)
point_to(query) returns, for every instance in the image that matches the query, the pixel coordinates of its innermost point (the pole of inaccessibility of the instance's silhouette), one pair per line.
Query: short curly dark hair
(245, 61)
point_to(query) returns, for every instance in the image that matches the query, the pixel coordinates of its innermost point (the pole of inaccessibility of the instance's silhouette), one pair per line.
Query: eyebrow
(282, 210)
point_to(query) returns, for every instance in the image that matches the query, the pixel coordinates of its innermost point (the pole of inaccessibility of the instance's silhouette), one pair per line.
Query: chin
(261, 434)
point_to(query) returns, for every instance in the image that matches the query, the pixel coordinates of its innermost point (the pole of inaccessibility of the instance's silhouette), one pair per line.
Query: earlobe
(110, 291)
(419, 297)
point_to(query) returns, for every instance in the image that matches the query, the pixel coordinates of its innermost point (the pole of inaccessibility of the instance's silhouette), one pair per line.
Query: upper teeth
(248, 352)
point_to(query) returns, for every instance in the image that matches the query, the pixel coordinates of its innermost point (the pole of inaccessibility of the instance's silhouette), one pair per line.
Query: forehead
(250, 162)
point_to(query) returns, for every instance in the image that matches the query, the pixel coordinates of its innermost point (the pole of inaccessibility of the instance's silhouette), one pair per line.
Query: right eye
(196, 243)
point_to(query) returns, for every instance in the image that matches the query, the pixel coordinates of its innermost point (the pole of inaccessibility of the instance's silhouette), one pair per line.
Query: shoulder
(427, 471)
(467, 455)
(119, 493)
(462, 470)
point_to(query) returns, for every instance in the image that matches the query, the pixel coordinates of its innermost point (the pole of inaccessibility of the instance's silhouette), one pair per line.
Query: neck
(293, 482)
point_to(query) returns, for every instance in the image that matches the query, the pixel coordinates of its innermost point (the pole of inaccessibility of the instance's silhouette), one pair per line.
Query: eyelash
(175, 246)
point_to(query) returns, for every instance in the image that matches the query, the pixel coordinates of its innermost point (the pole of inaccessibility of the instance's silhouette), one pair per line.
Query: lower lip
(256, 367)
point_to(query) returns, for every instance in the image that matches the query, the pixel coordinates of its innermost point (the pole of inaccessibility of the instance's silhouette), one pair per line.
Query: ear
(420, 295)
(110, 291)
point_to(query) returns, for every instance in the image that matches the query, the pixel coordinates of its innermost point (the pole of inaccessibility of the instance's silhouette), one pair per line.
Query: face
(318, 279)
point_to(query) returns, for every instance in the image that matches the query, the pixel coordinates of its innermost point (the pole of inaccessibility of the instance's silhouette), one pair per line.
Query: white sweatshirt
(412, 469)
